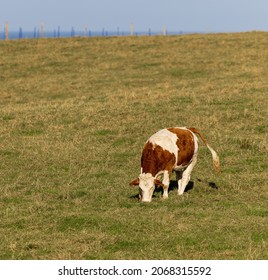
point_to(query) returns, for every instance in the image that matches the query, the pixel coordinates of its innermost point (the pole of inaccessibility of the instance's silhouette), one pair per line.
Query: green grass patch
(74, 116)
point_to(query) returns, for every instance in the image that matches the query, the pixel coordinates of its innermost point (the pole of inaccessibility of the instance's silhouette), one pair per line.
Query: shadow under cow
(173, 186)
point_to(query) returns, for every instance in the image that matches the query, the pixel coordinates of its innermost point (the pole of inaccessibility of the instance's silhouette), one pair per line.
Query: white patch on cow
(179, 167)
(195, 139)
(146, 184)
(167, 140)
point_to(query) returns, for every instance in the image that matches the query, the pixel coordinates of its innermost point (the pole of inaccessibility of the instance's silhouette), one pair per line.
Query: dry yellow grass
(74, 115)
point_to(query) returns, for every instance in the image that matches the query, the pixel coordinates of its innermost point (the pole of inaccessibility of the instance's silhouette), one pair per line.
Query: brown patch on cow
(155, 159)
(135, 182)
(185, 144)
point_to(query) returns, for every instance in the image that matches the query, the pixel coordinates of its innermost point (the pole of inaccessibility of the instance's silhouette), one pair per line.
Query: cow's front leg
(165, 183)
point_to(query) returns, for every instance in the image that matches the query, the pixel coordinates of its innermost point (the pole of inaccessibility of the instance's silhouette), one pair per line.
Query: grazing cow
(170, 149)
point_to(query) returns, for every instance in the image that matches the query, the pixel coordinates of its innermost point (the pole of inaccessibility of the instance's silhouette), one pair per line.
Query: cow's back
(168, 149)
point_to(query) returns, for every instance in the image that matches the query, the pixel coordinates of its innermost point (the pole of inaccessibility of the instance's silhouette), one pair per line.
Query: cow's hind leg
(185, 176)
(179, 179)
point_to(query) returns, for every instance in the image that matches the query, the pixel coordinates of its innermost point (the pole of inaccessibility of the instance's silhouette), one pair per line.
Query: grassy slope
(74, 115)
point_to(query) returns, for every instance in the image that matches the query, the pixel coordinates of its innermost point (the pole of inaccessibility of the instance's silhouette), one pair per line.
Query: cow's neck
(149, 168)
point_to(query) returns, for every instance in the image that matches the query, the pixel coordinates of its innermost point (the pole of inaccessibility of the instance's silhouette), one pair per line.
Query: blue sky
(175, 15)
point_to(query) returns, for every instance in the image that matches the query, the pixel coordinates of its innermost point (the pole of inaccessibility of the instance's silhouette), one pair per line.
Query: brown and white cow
(170, 149)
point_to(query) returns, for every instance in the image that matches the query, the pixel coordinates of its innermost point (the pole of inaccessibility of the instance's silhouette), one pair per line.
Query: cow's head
(147, 183)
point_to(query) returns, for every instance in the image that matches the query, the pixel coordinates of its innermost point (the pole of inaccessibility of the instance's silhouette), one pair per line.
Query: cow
(170, 149)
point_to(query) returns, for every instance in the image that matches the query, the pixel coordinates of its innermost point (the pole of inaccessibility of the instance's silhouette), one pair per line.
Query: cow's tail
(215, 156)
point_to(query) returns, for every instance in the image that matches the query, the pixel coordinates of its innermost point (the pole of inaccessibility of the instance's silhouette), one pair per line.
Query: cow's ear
(158, 182)
(135, 182)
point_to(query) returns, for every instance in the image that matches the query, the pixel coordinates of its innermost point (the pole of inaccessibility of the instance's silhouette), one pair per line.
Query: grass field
(74, 116)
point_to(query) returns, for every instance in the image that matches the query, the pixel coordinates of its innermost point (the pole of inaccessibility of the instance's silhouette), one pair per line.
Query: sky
(174, 15)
